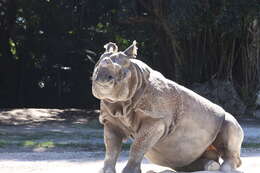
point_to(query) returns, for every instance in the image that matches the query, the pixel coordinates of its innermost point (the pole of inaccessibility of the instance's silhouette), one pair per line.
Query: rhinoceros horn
(131, 51)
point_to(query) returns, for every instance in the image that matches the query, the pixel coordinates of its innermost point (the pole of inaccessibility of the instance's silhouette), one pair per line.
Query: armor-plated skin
(170, 125)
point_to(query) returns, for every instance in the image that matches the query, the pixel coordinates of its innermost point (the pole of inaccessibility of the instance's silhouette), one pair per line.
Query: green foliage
(211, 39)
(55, 44)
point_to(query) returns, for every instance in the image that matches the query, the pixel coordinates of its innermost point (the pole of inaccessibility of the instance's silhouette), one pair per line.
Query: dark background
(48, 48)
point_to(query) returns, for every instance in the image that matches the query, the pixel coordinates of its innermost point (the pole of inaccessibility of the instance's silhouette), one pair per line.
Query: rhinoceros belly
(187, 142)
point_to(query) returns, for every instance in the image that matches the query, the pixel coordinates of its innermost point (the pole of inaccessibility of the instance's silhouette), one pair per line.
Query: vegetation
(48, 48)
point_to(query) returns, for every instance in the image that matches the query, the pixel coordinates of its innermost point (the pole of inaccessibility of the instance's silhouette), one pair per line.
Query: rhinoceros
(169, 124)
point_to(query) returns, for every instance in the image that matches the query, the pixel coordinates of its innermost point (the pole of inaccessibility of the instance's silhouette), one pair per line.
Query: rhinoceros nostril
(110, 77)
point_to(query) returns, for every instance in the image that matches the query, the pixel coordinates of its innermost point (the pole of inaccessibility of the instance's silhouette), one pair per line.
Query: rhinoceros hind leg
(229, 142)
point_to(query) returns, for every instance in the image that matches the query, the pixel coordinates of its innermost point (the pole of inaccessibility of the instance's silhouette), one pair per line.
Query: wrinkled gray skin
(170, 125)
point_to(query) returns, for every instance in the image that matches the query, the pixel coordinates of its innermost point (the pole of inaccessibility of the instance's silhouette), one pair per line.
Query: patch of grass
(51, 144)
(57, 139)
(251, 145)
(48, 144)
(3, 143)
(85, 146)
(28, 144)
(33, 144)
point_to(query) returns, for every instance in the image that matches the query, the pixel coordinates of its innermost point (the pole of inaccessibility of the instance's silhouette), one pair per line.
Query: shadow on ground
(40, 116)
(50, 130)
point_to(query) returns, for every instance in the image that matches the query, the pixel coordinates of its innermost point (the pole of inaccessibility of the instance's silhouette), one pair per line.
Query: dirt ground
(53, 140)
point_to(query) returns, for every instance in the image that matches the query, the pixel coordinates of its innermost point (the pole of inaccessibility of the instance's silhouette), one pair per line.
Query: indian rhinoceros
(169, 124)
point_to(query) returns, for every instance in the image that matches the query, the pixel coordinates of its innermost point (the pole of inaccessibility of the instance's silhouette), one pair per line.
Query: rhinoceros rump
(170, 125)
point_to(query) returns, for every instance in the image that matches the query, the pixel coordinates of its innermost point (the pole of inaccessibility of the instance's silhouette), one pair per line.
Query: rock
(257, 114)
(257, 98)
(222, 93)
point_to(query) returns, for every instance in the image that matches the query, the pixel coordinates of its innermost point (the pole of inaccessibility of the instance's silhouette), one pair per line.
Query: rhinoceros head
(113, 75)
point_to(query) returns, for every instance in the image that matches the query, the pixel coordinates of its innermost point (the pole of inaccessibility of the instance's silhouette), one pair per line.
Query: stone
(257, 98)
(222, 93)
(257, 114)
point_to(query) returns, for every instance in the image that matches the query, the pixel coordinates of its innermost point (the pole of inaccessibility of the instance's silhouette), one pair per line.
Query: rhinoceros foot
(107, 170)
(131, 169)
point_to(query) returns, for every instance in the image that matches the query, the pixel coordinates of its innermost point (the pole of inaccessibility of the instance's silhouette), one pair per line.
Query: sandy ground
(86, 162)
(76, 143)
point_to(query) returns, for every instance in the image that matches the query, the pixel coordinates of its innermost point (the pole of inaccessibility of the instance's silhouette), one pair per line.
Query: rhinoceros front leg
(113, 142)
(146, 138)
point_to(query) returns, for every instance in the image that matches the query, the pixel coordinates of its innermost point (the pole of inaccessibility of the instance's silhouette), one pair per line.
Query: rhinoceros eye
(122, 74)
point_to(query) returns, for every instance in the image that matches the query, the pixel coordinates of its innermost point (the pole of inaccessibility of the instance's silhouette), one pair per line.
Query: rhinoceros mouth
(105, 85)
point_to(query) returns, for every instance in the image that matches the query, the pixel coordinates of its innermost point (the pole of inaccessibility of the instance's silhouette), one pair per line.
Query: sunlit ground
(53, 141)
(85, 162)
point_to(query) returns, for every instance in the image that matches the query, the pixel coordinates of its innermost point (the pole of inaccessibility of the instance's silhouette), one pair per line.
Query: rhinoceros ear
(111, 47)
(131, 51)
